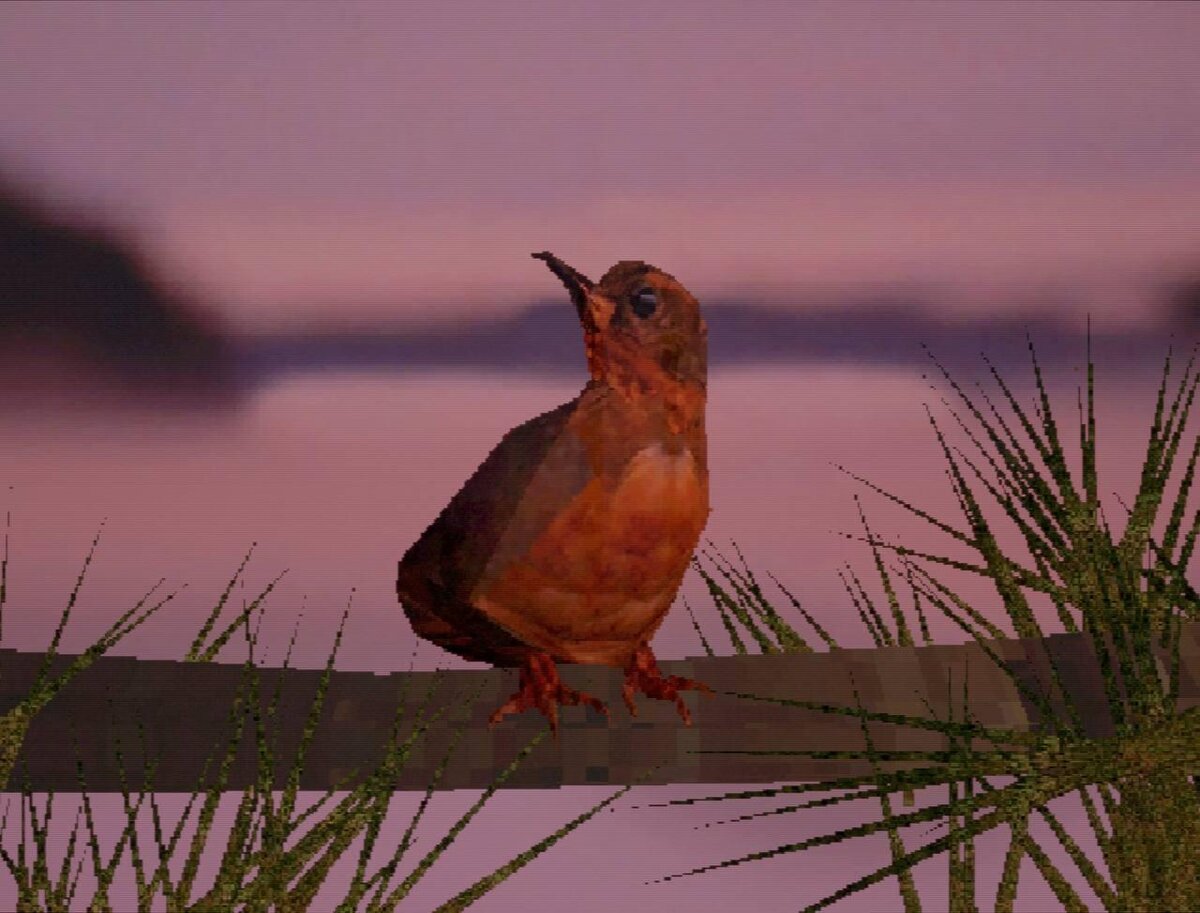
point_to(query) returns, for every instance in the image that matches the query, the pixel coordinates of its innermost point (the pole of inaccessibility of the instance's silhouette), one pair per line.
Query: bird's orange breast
(600, 578)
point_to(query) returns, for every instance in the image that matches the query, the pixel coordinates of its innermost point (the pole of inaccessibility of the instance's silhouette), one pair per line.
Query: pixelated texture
(360, 706)
(570, 541)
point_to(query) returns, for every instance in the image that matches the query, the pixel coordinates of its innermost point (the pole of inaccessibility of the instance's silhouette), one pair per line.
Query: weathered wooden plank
(184, 708)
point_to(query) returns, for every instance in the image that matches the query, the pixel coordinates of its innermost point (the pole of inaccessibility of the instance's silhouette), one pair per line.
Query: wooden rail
(184, 708)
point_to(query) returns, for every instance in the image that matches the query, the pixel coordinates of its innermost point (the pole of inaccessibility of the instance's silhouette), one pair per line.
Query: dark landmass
(80, 309)
(1183, 299)
(545, 340)
(81, 313)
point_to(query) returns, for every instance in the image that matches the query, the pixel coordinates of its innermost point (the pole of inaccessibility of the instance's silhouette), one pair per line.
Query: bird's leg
(642, 674)
(542, 688)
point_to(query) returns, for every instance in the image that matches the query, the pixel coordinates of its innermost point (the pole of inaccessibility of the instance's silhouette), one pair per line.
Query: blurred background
(265, 277)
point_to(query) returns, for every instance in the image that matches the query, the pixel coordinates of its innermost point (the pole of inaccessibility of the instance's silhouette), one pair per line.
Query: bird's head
(642, 329)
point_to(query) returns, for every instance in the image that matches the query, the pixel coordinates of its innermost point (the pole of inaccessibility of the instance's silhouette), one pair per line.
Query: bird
(570, 541)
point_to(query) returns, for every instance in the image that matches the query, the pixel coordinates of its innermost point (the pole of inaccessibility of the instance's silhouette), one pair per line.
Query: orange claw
(541, 688)
(642, 674)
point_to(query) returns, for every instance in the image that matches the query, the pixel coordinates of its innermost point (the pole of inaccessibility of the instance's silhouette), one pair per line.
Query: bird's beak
(576, 282)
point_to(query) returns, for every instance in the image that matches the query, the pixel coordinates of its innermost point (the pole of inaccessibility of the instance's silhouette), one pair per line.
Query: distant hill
(78, 305)
(544, 340)
(1184, 298)
(80, 311)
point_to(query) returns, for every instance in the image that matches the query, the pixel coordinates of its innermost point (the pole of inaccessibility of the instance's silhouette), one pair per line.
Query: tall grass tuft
(275, 857)
(1126, 591)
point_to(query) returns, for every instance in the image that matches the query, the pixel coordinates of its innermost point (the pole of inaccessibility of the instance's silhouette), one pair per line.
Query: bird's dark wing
(531, 475)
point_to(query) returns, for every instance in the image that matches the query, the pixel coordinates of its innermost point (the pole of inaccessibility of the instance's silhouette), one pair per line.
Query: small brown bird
(569, 543)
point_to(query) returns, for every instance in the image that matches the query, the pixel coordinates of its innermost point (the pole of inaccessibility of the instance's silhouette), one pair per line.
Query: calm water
(335, 475)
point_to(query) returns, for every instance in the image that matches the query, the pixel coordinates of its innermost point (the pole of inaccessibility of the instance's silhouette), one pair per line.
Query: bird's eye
(644, 301)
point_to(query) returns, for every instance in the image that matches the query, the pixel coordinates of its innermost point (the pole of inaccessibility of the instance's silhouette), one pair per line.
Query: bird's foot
(541, 688)
(642, 674)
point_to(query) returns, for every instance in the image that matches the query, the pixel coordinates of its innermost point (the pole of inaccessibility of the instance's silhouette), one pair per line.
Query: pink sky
(401, 161)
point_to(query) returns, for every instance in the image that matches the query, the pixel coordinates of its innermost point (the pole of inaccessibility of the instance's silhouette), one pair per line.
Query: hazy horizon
(403, 161)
